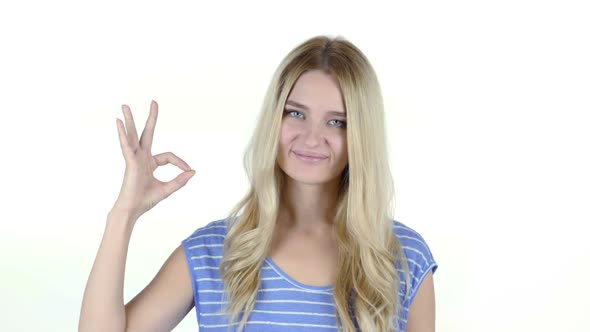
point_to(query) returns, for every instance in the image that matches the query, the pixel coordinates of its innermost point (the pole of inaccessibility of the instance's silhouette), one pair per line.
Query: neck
(308, 207)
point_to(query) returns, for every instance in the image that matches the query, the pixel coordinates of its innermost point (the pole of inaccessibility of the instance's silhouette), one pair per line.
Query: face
(313, 124)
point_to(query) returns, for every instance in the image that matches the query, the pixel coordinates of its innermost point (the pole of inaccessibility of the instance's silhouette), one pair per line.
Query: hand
(140, 190)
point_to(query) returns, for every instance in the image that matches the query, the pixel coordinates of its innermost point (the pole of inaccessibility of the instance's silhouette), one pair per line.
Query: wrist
(122, 215)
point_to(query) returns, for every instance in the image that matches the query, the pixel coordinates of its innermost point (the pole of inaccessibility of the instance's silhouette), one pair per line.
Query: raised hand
(140, 190)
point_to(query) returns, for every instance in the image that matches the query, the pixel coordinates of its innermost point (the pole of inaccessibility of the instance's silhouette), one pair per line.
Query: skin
(168, 297)
(422, 311)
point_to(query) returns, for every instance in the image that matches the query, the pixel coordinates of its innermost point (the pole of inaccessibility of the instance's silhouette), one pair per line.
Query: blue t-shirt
(284, 304)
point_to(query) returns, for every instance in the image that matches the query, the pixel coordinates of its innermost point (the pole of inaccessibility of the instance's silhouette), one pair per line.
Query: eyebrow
(300, 105)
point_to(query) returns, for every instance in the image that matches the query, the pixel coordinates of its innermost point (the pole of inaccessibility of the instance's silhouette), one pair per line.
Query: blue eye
(342, 123)
(289, 112)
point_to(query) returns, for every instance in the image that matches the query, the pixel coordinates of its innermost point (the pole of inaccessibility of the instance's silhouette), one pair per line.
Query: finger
(127, 152)
(147, 136)
(177, 183)
(171, 158)
(130, 125)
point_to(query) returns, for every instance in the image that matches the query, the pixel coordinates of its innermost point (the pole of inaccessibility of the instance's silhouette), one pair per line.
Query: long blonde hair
(367, 282)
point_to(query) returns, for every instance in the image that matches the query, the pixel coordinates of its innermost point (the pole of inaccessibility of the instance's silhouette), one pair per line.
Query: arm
(422, 311)
(166, 300)
(160, 306)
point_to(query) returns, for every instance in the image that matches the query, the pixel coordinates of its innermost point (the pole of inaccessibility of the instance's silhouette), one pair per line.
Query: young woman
(313, 245)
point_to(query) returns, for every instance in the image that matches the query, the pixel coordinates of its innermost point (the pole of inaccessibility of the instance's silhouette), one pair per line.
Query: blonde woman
(312, 246)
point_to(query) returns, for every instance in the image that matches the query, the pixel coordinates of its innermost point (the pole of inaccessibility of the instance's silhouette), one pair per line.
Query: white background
(487, 114)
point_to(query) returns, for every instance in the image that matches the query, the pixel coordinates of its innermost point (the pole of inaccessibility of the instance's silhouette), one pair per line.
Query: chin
(309, 180)
(304, 173)
(306, 176)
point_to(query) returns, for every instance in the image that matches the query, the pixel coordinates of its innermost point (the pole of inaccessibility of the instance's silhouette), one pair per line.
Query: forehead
(317, 90)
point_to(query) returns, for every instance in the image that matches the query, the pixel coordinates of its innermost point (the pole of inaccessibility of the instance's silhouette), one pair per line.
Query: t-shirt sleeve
(204, 250)
(192, 245)
(420, 257)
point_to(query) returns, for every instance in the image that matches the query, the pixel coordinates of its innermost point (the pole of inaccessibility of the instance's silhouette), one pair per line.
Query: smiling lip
(310, 159)
(310, 155)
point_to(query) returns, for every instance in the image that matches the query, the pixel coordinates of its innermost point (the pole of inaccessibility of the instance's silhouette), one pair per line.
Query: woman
(311, 247)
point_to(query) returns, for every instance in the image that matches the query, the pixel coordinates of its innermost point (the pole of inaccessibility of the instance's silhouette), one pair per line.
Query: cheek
(287, 135)
(284, 143)
(342, 148)
(338, 141)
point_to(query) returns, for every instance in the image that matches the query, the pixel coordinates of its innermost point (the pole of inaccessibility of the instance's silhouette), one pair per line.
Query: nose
(313, 135)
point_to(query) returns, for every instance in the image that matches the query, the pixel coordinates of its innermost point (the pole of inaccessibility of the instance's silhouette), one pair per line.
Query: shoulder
(213, 233)
(203, 249)
(419, 255)
(412, 241)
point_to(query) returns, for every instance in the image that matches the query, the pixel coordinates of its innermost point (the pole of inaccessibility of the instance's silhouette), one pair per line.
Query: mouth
(308, 158)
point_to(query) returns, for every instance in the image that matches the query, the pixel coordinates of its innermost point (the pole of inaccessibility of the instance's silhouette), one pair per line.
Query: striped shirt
(283, 303)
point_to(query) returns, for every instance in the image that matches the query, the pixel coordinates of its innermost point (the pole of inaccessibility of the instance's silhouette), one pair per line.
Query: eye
(342, 123)
(290, 111)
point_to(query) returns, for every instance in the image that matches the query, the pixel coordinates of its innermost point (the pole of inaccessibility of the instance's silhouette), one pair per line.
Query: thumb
(178, 182)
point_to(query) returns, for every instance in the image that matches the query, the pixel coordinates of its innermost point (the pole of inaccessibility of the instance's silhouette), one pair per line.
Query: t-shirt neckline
(283, 274)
